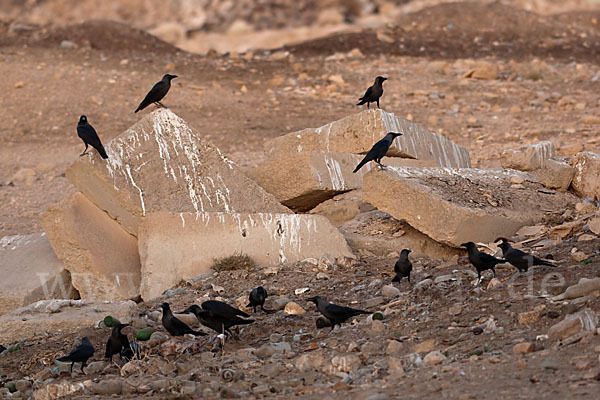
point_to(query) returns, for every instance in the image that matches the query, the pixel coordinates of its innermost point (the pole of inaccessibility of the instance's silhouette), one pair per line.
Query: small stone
(25, 176)
(493, 282)
(493, 360)
(395, 366)
(374, 302)
(583, 365)
(322, 275)
(108, 387)
(268, 350)
(523, 348)
(355, 53)
(345, 363)
(394, 348)
(530, 231)
(19, 84)
(384, 38)
(425, 347)
(96, 367)
(337, 79)
(586, 237)
(23, 385)
(390, 292)
(157, 338)
(517, 180)
(293, 308)
(579, 256)
(550, 364)
(377, 326)
(455, 310)
(310, 361)
(434, 358)
(529, 317)
(67, 44)
(424, 284)
(370, 349)
(279, 304)
(585, 320)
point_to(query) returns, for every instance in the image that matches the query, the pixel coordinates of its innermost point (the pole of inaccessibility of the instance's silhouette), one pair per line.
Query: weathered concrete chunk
(316, 177)
(586, 182)
(528, 157)
(176, 246)
(381, 234)
(161, 164)
(343, 207)
(555, 175)
(584, 320)
(357, 133)
(102, 258)
(31, 272)
(453, 206)
(65, 316)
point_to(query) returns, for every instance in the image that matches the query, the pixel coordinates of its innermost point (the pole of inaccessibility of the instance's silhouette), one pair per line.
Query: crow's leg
(84, 151)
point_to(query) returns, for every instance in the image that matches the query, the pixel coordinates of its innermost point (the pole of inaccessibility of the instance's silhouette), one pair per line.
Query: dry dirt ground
(548, 89)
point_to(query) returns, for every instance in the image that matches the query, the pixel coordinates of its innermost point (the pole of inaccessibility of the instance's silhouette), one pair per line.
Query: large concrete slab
(176, 246)
(529, 157)
(30, 272)
(380, 234)
(358, 132)
(303, 180)
(102, 258)
(52, 317)
(453, 206)
(162, 164)
(343, 207)
(586, 182)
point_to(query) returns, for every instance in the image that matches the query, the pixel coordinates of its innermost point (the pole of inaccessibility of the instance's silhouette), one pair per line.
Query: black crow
(88, 134)
(218, 316)
(480, 260)
(158, 91)
(403, 266)
(379, 150)
(81, 354)
(118, 344)
(334, 313)
(519, 259)
(175, 326)
(373, 93)
(257, 298)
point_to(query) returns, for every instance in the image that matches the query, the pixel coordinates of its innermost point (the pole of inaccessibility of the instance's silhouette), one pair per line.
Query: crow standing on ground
(373, 93)
(88, 134)
(81, 354)
(334, 313)
(257, 298)
(175, 326)
(218, 316)
(519, 259)
(403, 266)
(480, 260)
(378, 151)
(118, 344)
(158, 91)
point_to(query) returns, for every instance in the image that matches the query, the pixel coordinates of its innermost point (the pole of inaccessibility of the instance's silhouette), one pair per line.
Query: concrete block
(453, 206)
(176, 246)
(162, 164)
(102, 258)
(357, 133)
(49, 317)
(586, 182)
(555, 175)
(527, 158)
(381, 234)
(31, 272)
(343, 207)
(316, 176)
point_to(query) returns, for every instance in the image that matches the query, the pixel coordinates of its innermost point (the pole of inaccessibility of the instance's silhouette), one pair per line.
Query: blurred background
(238, 25)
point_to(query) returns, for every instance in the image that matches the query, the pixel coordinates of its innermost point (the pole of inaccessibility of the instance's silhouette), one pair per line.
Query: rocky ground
(539, 81)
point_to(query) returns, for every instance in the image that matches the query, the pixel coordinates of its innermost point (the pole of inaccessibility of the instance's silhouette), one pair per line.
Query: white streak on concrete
(137, 187)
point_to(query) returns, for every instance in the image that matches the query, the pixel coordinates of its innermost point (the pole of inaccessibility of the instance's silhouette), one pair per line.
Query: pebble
(268, 350)
(529, 317)
(108, 387)
(370, 349)
(377, 326)
(68, 44)
(523, 348)
(96, 367)
(394, 348)
(395, 366)
(455, 310)
(390, 292)
(434, 358)
(322, 275)
(309, 361)
(374, 302)
(345, 363)
(227, 393)
(425, 347)
(23, 385)
(293, 308)
(157, 338)
(279, 304)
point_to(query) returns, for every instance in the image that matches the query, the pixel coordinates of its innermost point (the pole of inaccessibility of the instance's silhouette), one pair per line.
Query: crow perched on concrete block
(88, 134)
(378, 151)
(373, 93)
(158, 91)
